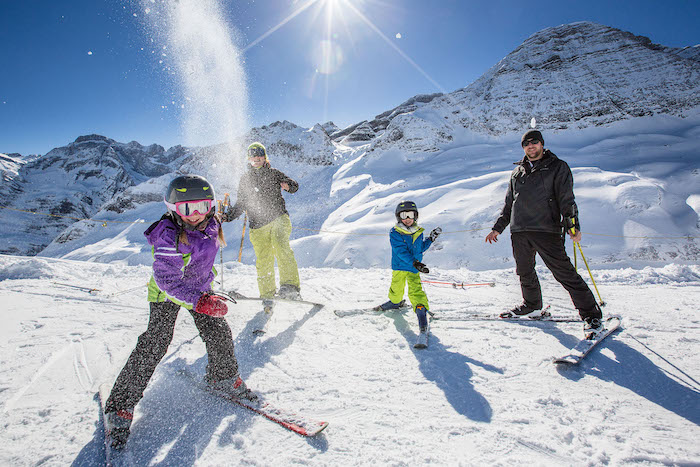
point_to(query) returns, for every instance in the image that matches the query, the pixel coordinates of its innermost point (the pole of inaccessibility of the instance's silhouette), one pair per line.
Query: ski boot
(422, 314)
(390, 306)
(592, 327)
(234, 387)
(524, 311)
(289, 292)
(119, 424)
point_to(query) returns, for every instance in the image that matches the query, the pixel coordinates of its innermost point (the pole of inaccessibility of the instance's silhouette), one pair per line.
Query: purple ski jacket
(181, 272)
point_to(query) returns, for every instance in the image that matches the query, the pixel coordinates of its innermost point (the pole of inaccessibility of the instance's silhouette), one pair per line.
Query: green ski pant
(271, 242)
(415, 290)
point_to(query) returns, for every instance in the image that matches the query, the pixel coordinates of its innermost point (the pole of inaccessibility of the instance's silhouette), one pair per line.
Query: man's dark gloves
(571, 222)
(435, 233)
(421, 267)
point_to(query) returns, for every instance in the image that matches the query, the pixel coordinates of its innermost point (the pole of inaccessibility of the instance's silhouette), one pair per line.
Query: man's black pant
(550, 247)
(153, 344)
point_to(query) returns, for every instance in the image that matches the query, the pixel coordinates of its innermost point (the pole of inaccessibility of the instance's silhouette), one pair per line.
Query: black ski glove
(571, 223)
(229, 215)
(421, 267)
(435, 233)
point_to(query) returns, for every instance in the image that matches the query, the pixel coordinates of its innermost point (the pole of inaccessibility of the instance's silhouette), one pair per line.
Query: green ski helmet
(406, 206)
(190, 188)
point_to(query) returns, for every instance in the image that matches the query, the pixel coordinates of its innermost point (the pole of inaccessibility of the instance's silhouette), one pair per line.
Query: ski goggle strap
(190, 208)
(407, 214)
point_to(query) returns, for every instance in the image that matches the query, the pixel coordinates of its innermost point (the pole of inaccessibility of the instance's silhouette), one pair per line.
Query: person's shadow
(632, 370)
(176, 413)
(255, 352)
(450, 372)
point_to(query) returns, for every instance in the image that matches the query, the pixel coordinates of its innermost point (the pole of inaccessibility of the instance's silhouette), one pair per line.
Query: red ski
(301, 425)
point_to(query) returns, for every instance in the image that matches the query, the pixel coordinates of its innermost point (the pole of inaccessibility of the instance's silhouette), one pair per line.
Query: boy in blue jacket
(407, 247)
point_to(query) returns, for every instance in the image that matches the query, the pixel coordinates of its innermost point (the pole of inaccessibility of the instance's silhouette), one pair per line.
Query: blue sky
(77, 67)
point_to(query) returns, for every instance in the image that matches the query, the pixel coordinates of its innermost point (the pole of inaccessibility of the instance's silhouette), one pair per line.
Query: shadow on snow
(632, 370)
(176, 415)
(450, 372)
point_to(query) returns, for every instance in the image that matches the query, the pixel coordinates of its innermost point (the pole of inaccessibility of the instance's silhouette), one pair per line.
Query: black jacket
(539, 197)
(260, 195)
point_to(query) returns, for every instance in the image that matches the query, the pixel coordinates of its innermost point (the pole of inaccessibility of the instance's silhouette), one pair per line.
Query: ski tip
(322, 426)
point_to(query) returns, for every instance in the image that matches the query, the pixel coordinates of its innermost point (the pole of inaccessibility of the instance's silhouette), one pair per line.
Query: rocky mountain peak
(570, 76)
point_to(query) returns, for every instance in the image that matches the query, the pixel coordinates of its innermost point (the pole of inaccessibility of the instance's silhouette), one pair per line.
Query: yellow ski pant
(415, 290)
(271, 242)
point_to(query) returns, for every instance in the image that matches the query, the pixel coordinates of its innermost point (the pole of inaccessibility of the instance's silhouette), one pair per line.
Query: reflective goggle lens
(256, 152)
(407, 215)
(189, 208)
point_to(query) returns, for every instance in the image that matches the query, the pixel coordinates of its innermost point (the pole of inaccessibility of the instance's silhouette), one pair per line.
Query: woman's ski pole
(240, 250)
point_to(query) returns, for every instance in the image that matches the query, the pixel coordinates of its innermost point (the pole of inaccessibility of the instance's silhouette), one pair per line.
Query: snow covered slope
(483, 393)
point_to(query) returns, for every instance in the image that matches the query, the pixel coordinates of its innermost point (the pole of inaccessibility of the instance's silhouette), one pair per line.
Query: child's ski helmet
(406, 206)
(189, 188)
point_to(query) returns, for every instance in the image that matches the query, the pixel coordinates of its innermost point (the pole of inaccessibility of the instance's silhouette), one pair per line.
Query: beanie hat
(532, 134)
(257, 149)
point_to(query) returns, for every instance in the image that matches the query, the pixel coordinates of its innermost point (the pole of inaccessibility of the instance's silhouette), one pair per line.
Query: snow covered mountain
(624, 112)
(572, 76)
(73, 182)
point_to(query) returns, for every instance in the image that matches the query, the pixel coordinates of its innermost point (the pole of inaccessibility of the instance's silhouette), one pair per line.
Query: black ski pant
(551, 248)
(153, 344)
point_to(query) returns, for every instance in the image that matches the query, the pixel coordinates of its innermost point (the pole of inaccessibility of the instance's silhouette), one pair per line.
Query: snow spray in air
(198, 46)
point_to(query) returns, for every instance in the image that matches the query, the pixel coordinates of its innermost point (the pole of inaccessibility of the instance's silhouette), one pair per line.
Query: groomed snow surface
(483, 393)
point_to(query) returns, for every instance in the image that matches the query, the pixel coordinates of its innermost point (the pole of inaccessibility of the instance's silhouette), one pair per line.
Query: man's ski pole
(577, 244)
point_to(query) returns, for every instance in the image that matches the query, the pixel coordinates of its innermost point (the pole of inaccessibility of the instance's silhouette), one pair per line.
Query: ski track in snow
(483, 393)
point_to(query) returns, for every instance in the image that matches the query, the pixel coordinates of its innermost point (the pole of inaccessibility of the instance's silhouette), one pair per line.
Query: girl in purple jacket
(184, 244)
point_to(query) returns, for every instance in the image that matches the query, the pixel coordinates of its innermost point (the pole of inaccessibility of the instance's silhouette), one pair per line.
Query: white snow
(483, 393)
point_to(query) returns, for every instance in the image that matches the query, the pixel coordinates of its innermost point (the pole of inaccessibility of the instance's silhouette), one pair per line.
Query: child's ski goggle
(190, 208)
(407, 214)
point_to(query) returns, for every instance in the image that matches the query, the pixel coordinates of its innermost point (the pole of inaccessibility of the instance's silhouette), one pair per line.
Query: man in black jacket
(260, 195)
(539, 204)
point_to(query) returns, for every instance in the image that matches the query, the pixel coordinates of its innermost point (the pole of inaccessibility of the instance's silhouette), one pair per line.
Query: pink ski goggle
(190, 208)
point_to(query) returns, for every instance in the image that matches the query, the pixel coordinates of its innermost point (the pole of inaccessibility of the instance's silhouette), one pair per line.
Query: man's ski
(301, 425)
(422, 340)
(113, 456)
(376, 310)
(237, 296)
(545, 315)
(439, 316)
(584, 347)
